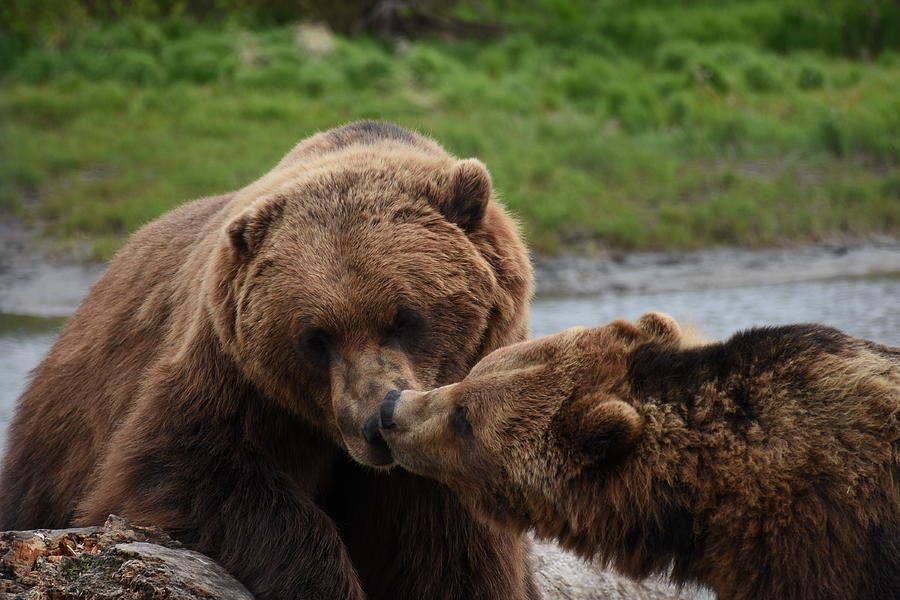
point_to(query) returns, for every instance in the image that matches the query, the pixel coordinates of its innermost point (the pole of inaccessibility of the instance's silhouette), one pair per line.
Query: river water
(867, 307)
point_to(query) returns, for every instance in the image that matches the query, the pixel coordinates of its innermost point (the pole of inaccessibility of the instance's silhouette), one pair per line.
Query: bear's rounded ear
(468, 195)
(600, 427)
(660, 325)
(247, 232)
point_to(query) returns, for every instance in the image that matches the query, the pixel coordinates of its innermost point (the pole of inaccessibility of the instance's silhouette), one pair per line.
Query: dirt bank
(713, 268)
(36, 282)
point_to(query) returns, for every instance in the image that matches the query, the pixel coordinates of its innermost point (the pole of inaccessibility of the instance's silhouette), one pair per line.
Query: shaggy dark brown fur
(765, 467)
(216, 380)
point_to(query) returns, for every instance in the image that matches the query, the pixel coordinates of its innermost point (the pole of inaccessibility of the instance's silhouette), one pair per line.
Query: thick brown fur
(764, 467)
(216, 380)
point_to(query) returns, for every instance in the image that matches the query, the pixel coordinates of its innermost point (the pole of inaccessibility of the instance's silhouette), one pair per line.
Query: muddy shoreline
(36, 282)
(714, 268)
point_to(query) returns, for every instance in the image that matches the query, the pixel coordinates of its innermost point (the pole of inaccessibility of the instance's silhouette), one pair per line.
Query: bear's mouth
(379, 452)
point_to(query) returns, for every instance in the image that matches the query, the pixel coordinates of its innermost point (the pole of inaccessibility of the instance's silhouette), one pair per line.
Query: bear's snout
(401, 412)
(360, 378)
(381, 454)
(386, 411)
(370, 430)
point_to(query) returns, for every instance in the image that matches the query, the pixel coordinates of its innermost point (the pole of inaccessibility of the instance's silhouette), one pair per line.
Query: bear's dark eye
(459, 422)
(316, 346)
(406, 328)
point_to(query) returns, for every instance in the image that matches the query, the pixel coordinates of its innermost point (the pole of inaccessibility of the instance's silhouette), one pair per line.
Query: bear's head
(529, 420)
(368, 260)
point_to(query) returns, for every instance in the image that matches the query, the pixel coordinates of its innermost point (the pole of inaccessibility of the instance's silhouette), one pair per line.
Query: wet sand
(716, 268)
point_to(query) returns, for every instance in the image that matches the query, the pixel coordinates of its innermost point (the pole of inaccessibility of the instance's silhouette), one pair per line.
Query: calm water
(866, 307)
(23, 343)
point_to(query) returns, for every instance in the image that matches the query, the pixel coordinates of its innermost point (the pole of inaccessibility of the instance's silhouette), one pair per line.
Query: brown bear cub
(217, 379)
(764, 467)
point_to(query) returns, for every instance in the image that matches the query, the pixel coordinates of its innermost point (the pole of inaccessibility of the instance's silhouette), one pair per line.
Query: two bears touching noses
(323, 381)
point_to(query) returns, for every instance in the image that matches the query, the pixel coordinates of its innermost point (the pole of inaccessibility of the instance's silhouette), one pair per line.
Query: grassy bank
(621, 125)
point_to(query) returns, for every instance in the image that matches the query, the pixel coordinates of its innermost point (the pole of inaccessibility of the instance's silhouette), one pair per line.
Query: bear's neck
(622, 514)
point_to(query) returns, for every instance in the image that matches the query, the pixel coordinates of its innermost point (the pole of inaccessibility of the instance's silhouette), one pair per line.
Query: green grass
(674, 129)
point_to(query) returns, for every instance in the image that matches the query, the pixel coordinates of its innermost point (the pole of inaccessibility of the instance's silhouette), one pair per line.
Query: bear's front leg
(410, 539)
(230, 505)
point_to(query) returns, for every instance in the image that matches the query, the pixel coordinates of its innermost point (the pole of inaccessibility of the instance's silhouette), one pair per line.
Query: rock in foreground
(563, 576)
(116, 561)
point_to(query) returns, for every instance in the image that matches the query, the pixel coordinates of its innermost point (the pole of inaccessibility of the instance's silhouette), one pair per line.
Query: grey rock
(563, 576)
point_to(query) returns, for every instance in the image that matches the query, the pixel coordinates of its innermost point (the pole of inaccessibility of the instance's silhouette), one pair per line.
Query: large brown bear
(766, 467)
(216, 380)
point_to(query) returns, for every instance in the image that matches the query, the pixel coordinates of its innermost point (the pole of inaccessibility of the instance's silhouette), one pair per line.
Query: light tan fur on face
(765, 466)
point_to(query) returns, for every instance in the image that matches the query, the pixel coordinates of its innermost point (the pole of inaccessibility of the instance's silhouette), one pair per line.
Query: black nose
(387, 409)
(371, 432)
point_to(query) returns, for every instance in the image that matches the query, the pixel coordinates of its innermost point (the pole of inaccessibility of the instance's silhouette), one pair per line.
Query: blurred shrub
(677, 56)
(891, 185)
(678, 109)
(810, 78)
(850, 27)
(760, 78)
(830, 136)
(137, 68)
(707, 72)
(368, 66)
(40, 65)
(200, 58)
(586, 79)
(428, 65)
(128, 32)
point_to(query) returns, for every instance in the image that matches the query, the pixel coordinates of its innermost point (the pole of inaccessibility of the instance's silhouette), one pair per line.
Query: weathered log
(124, 561)
(563, 576)
(116, 561)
